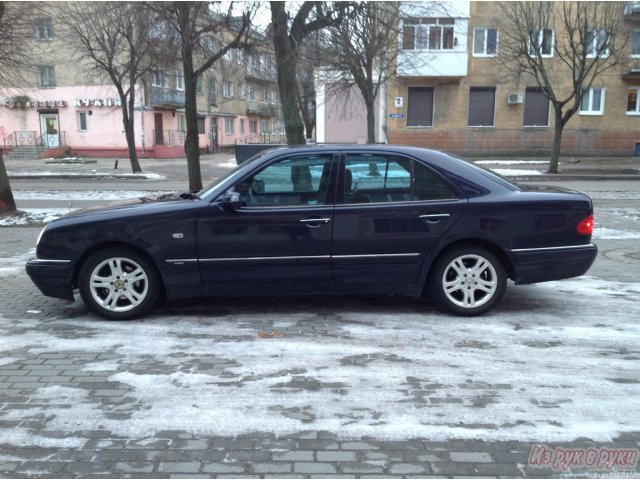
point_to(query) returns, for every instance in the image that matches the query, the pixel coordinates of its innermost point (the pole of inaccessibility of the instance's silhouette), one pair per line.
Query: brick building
(450, 91)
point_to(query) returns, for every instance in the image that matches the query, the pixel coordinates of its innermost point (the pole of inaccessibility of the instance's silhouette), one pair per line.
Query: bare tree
(288, 35)
(365, 52)
(195, 23)
(120, 41)
(14, 31)
(564, 47)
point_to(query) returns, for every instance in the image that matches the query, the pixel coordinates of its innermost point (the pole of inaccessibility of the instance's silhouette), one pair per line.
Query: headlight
(40, 235)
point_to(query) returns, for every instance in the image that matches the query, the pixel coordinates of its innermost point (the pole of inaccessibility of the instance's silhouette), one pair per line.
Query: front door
(49, 128)
(280, 239)
(390, 210)
(159, 140)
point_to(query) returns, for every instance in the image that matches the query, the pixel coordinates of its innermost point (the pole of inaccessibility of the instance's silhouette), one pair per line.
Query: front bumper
(532, 265)
(54, 278)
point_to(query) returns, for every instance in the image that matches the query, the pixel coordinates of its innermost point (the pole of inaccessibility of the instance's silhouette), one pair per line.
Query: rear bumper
(532, 265)
(52, 277)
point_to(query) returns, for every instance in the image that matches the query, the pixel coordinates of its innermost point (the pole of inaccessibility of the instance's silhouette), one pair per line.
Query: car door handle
(434, 217)
(314, 222)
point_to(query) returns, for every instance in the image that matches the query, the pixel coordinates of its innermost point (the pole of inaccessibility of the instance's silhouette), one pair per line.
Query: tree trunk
(192, 142)
(128, 122)
(287, 59)
(7, 202)
(371, 120)
(557, 143)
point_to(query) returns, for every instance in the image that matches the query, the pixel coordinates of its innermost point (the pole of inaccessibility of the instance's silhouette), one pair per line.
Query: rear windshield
(496, 177)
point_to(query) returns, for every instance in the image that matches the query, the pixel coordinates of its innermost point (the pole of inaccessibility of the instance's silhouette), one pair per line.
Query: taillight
(585, 227)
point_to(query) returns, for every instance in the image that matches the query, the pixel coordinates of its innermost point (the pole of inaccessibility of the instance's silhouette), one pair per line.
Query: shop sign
(35, 104)
(97, 102)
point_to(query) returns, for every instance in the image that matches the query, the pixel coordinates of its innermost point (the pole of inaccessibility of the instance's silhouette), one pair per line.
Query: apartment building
(451, 92)
(68, 106)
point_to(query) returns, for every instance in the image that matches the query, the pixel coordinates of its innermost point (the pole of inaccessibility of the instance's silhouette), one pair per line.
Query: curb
(570, 177)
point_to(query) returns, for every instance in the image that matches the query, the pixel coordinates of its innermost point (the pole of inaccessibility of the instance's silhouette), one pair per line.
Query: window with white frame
(158, 78)
(428, 34)
(633, 105)
(541, 42)
(485, 42)
(597, 44)
(274, 97)
(200, 84)
(592, 102)
(241, 92)
(228, 125)
(253, 126)
(179, 80)
(239, 57)
(264, 126)
(43, 29)
(252, 93)
(47, 76)
(82, 122)
(635, 43)
(242, 126)
(227, 89)
(181, 123)
(265, 95)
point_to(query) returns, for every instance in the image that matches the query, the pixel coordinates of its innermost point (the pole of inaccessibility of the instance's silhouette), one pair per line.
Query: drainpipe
(142, 117)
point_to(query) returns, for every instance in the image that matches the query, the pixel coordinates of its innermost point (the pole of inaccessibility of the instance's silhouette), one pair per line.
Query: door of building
(159, 137)
(49, 129)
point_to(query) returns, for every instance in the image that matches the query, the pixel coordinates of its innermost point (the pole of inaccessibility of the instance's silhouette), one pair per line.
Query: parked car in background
(331, 219)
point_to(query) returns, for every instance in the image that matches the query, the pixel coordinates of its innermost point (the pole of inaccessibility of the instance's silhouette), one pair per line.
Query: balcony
(166, 97)
(425, 63)
(632, 71)
(261, 74)
(262, 109)
(632, 11)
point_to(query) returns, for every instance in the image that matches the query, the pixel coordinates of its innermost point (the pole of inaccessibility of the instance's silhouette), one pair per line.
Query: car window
(387, 178)
(300, 180)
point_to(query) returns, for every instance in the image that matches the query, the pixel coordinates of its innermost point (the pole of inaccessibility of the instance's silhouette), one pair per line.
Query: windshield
(209, 188)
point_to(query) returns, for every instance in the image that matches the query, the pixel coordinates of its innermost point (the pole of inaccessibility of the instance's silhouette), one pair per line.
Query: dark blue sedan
(330, 219)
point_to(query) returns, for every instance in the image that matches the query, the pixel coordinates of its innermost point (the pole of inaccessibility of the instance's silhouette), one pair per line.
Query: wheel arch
(474, 242)
(116, 244)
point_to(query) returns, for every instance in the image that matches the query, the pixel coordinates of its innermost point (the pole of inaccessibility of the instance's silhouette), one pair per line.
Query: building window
(46, 76)
(428, 34)
(597, 44)
(635, 43)
(274, 97)
(633, 105)
(227, 89)
(213, 93)
(43, 29)
(181, 123)
(228, 126)
(592, 102)
(265, 95)
(482, 104)
(485, 42)
(536, 108)
(253, 126)
(82, 122)
(200, 125)
(242, 126)
(158, 78)
(179, 80)
(541, 42)
(264, 127)
(199, 84)
(239, 57)
(252, 93)
(420, 107)
(240, 90)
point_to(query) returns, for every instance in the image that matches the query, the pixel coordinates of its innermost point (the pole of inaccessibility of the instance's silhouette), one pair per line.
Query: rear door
(390, 210)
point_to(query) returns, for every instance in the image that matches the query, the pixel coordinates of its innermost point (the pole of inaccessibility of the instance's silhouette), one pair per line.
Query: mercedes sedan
(323, 219)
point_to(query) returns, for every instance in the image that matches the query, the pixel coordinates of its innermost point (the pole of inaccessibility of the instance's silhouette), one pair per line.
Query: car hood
(131, 203)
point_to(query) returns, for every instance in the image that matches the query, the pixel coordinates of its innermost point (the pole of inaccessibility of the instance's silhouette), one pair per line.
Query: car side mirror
(231, 201)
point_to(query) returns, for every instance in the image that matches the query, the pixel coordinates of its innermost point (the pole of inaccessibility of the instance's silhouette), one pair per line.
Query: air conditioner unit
(515, 97)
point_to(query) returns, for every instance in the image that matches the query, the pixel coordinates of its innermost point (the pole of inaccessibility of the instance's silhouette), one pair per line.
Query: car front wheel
(118, 284)
(467, 281)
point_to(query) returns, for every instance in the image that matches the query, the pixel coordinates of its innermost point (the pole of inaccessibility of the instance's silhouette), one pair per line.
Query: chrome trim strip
(546, 249)
(249, 259)
(181, 260)
(44, 260)
(379, 255)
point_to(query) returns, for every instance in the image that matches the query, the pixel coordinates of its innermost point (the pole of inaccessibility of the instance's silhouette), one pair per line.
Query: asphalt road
(359, 386)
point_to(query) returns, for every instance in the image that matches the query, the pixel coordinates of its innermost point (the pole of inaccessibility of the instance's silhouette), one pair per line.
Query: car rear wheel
(118, 284)
(467, 281)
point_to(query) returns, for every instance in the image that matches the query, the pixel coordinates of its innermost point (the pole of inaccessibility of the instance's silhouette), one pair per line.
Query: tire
(467, 281)
(119, 283)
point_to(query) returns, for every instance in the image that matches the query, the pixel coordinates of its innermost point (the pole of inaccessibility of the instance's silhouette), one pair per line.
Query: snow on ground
(29, 216)
(58, 174)
(231, 163)
(603, 233)
(83, 194)
(508, 172)
(512, 162)
(553, 363)
(15, 264)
